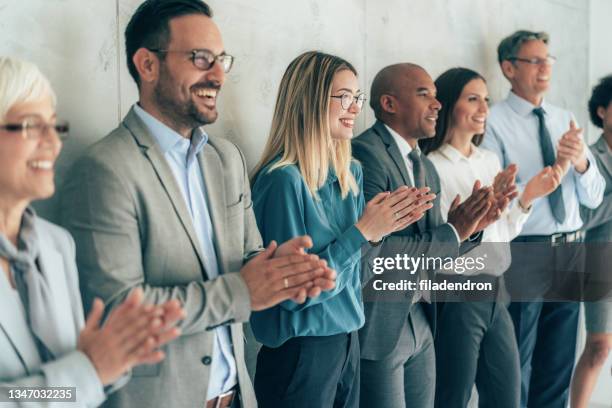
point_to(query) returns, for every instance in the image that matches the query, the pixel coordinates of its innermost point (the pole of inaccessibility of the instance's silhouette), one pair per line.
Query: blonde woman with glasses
(307, 183)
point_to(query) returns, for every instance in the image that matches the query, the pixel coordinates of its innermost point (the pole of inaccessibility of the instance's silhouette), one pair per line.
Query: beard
(183, 114)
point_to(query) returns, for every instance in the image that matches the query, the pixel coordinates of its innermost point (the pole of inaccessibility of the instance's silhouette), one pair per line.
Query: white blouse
(457, 176)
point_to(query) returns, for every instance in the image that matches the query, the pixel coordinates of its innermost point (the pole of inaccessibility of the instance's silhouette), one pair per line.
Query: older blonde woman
(307, 183)
(44, 341)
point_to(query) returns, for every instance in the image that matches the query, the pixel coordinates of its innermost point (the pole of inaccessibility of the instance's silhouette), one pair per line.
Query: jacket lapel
(155, 156)
(393, 151)
(605, 157)
(212, 170)
(16, 329)
(51, 265)
(396, 155)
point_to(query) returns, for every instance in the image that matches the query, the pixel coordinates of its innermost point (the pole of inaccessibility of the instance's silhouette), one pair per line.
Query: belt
(223, 400)
(555, 239)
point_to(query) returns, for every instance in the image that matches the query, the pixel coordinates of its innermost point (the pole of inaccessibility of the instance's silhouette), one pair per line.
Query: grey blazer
(384, 170)
(598, 221)
(132, 228)
(20, 363)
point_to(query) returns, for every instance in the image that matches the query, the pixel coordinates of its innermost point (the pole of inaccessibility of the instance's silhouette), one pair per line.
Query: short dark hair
(449, 86)
(601, 97)
(511, 45)
(149, 26)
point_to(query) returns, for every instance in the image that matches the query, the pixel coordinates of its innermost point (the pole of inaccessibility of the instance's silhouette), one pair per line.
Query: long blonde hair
(300, 131)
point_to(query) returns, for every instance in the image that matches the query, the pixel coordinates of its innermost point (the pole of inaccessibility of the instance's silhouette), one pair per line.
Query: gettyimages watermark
(518, 271)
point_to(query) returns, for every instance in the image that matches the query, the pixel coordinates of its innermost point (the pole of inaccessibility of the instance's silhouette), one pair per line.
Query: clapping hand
(130, 336)
(542, 184)
(571, 150)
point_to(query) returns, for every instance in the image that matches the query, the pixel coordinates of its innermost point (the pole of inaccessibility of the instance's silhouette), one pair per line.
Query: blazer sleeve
(593, 218)
(279, 208)
(102, 214)
(71, 370)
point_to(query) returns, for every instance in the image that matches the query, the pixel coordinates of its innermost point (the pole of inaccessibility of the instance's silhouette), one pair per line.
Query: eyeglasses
(34, 129)
(346, 100)
(204, 59)
(550, 60)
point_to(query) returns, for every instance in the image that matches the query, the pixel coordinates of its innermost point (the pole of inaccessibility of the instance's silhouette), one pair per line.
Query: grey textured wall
(79, 45)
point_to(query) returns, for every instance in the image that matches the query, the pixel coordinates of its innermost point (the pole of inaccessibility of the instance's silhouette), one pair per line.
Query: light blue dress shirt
(513, 134)
(181, 155)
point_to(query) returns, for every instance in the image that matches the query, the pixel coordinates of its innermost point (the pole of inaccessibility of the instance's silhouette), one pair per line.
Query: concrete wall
(79, 45)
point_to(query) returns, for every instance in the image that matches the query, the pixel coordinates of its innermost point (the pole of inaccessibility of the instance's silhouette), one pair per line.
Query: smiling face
(530, 81)
(341, 121)
(471, 109)
(185, 95)
(418, 108)
(27, 165)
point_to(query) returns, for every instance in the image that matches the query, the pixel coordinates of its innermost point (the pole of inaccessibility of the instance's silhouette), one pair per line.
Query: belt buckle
(557, 239)
(222, 396)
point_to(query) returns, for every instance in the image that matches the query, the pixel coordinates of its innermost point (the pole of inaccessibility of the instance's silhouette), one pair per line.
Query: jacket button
(206, 360)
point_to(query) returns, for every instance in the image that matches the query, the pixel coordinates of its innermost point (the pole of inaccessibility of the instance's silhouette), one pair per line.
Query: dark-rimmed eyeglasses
(550, 60)
(35, 129)
(346, 100)
(204, 59)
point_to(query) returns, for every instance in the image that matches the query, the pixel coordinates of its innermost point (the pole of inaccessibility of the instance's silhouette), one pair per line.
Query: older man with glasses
(546, 261)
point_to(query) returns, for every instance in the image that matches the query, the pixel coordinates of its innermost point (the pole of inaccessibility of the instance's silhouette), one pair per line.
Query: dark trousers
(475, 344)
(309, 372)
(546, 338)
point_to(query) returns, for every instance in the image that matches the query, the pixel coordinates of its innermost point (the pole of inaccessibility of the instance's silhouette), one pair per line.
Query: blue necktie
(555, 198)
(417, 168)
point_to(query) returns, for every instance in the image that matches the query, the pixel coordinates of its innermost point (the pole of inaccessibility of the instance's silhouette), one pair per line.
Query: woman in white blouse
(475, 340)
(44, 340)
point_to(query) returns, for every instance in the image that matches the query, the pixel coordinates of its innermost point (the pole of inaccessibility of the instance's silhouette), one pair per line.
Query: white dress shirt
(457, 176)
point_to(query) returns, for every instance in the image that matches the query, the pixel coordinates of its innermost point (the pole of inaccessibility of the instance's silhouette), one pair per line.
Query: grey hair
(21, 81)
(511, 45)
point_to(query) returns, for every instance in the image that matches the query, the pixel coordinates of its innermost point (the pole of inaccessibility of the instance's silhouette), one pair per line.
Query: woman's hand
(130, 336)
(389, 212)
(542, 184)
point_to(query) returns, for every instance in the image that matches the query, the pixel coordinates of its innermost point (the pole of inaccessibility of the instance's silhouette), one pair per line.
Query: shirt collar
(522, 106)
(454, 155)
(168, 139)
(403, 146)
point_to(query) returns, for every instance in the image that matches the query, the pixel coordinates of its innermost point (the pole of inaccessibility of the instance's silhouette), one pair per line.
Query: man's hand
(571, 150)
(542, 184)
(272, 280)
(298, 246)
(130, 336)
(466, 216)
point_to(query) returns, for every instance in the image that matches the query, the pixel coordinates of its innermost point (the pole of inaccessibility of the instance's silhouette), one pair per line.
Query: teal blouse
(284, 209)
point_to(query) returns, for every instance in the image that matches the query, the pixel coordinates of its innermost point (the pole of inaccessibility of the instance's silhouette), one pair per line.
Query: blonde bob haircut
(300, 132)
(21, 82)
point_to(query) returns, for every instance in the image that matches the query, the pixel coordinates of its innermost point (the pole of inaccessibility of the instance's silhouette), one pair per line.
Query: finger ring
(286, 281)
(396, 215)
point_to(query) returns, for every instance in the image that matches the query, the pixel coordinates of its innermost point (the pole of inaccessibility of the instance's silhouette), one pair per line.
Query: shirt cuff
(455, 231)
(352, 239)
(586, 178)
